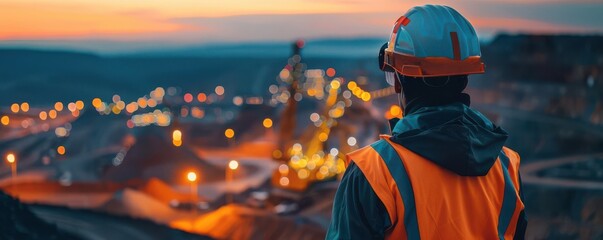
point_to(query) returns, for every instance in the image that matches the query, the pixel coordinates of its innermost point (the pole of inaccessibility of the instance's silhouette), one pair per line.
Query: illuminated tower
(287, 130)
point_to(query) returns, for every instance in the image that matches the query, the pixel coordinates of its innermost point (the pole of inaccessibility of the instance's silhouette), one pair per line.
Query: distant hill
(42, 77)
(545, 58)
(331, 47)
(45, 76)
(338, 48)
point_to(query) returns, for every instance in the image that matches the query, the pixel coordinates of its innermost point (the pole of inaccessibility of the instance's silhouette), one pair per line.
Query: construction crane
(304, 160)
(295, 68)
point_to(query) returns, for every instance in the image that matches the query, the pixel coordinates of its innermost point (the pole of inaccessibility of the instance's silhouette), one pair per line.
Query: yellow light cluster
(317, 86)
(156, 117)
(358, 92)
(117, 105)
(318, 166)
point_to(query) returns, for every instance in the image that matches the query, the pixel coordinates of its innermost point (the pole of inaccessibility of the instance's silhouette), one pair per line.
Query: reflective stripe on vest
(398, 172)
(424, 200)
(509, 200)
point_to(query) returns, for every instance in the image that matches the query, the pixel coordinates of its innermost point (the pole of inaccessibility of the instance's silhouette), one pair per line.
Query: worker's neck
(420, 102)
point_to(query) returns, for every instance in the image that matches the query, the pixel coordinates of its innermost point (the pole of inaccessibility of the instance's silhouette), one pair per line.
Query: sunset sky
(193, 21)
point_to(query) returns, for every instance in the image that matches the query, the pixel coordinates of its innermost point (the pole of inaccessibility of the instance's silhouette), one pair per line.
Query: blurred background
(230, 119)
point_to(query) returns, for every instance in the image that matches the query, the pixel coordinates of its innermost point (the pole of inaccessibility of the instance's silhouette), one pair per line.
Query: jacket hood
(453, 136)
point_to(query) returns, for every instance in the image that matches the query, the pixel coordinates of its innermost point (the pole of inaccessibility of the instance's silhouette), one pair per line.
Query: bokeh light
(5, 120)
(79, 105)
(61, 150)
(233, 164)
(58, 106)
(201, 97)
(188, 98)
(177, 138)
(52, 114)
(191, 176)
(238, 101)
(351, 141)
(10, 158)
(14, 108)
(71, 107)
(97, 102)
(284, 181)
(331, 72)
(219, 90)
(25, 107)
(229, 133)
(43, 115)
(267, 123)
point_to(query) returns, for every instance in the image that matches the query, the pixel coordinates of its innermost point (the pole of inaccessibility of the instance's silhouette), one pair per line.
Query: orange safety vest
(426, 201)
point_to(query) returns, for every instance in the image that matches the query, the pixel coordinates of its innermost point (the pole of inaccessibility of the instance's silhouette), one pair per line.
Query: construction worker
(444, 173)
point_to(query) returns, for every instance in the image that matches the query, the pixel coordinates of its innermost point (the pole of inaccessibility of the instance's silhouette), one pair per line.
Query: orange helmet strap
(397, 84)
(398, 88)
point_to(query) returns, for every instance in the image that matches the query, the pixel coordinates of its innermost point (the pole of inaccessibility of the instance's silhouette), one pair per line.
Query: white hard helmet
(431, 41)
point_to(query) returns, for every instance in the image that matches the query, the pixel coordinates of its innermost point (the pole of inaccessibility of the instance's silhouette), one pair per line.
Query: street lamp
(233, 165)
(230, 171)
(267, 123)
(229, 133)
(192, 178)
(12, 160)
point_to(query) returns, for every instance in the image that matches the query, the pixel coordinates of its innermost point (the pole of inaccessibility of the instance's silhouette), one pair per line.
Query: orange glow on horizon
(136, 19)
(87, 18)
(21, 21)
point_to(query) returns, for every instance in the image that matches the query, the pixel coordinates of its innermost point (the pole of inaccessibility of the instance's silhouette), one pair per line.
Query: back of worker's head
(431, 50)
(436, 89)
